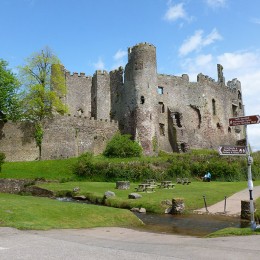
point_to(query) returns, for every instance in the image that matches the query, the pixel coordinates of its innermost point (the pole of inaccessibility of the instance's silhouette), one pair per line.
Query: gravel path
(233, 203)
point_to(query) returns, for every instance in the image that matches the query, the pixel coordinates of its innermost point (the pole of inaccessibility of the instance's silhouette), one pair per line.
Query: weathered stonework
(161, 112)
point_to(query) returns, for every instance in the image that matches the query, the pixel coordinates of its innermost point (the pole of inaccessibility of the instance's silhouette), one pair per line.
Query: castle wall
(17, 141)
(78, 96)
(64, 137)
(198, 113)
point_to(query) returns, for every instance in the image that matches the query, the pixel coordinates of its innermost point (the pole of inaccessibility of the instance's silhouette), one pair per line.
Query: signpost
(232, 150)
(245, 120)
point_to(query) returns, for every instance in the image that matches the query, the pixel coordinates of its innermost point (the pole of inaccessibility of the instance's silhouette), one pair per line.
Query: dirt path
(233, 203)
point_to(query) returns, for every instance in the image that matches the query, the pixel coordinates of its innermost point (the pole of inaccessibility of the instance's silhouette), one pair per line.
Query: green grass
(50, 170)
(192, 194)
(26, 212)
(234, 232)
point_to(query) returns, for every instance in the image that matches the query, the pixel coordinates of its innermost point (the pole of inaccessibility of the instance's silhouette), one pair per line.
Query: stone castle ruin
(161, 112)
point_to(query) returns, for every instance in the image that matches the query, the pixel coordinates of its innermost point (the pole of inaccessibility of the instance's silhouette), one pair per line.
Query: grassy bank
(26, 212)
(192, 194)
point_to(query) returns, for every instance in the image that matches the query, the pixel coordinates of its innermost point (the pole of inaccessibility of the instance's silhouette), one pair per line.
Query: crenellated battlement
(76, 74)
(101, 72)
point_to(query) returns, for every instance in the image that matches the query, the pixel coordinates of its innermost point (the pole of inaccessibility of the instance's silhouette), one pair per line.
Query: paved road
(233, 203)
(121, 244)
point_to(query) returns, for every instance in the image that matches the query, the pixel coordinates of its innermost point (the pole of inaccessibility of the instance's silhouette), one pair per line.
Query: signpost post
(247, 120)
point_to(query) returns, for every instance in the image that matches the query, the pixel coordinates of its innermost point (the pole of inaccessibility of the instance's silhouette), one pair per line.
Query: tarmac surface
(121, 244)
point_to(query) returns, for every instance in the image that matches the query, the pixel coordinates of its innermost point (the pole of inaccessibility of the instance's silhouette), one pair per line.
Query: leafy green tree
(9, 85)
(122, 146)
(45, 88)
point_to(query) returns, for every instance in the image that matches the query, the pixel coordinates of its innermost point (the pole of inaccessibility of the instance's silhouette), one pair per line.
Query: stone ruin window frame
(142, 100)
(162, 129)
(239, 95)
(234, 110)
(161, 107)
(160, 90)
(214, 110)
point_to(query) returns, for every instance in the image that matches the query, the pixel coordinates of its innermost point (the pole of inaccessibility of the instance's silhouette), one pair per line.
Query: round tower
(140, 96)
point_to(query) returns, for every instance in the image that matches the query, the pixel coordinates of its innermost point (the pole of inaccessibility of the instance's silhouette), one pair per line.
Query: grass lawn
(50, 170)
(192, 194)
(26, 212)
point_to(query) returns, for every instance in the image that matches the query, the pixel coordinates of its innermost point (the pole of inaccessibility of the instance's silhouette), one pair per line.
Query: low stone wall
(15, 186)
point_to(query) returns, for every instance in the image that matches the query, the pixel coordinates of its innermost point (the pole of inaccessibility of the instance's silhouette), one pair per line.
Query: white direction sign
(232, 150)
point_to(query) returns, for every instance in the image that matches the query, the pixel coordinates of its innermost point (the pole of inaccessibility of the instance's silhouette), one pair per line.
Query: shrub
(122, 146)
(84, 166)
(2, 159)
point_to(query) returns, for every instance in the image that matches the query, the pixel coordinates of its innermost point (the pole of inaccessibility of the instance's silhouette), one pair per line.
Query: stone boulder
(109, 194)
(134, 196)
(178, 206)
(139, 210)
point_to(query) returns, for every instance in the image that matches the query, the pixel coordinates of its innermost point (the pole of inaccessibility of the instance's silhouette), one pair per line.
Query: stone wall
(64, 137)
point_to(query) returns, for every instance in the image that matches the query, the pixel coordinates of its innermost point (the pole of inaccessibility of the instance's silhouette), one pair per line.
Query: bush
(2, 159)
(122, 146)
(84, 166)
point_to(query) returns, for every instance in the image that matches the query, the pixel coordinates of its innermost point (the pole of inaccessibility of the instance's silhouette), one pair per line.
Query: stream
(190, 225)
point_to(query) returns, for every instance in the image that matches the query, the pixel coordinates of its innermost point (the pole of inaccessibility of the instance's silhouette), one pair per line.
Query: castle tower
(140, 90)
(100, 95)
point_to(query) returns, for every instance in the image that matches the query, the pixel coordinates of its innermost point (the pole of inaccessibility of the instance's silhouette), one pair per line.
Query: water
(191, 225)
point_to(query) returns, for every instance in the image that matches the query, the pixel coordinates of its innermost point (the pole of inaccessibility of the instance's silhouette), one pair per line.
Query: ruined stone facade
(161, 112)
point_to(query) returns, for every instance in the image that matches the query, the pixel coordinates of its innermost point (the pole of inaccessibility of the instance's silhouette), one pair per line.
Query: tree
(45, 86)
(9, 85)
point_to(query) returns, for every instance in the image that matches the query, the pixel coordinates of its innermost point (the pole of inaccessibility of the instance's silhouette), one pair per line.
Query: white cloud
(119, 58)
(255, 20)
(239, 60)
(196, 41)
(213, 36)
(175, 12)
(216, 3)
(120, 55)
(99, 65)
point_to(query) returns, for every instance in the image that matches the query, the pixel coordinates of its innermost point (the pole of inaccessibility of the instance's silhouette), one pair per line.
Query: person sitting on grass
(207, 177)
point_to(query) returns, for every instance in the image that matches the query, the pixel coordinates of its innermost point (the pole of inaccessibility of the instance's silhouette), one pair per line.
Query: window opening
(80, 112)
(234, 110)
(142, 99)
(162, 110)
(177, 116)
(214, 107)
(239, 95)
(162, 129)
(160, 90)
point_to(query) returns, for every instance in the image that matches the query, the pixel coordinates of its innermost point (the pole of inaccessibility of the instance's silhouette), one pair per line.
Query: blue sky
(191, 36)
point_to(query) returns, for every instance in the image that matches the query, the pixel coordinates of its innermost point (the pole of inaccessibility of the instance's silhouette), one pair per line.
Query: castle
(161, 112)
